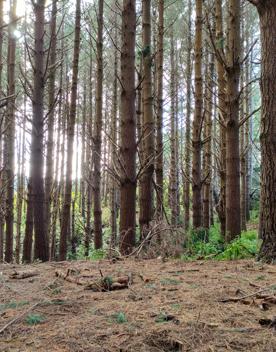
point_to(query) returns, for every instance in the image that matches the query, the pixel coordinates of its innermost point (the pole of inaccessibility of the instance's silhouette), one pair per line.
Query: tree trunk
(21, 184)
(146, 210)
(114, 137)
(187, 175)
(233, 214)
(51, 117)
(36, 163)
(267, 13)
(28, 239)
(10, 136)
(221, 206)
(70, 139)
(2, 193)
(97, 139)
(173, 185)
(197, 123)
(128, 128)
(159, 117)
(208, 144)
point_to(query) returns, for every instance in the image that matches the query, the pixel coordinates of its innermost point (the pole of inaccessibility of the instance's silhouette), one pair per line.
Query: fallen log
(22, 274)
(103, 284)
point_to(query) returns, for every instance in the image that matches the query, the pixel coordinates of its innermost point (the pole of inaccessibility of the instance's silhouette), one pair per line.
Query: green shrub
(13, 305)
(34, 319)
(245, 246)
(119, 318)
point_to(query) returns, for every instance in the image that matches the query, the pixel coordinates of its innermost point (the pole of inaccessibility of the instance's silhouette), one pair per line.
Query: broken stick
(237, 299)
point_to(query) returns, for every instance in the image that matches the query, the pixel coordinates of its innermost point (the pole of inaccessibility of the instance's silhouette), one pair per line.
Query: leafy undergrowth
(210, 245)
(169, 306)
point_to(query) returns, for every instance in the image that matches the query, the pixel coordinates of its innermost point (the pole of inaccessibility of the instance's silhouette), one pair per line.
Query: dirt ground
(169, 306)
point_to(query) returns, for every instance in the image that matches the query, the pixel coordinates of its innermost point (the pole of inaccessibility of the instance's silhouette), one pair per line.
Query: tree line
(117, 116)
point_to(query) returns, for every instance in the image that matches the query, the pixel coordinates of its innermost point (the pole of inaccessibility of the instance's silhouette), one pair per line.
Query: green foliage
(169, 281)
(108, 281)
(197, 246)
(161, 318)
(119, 318)
(34, 319)
(97, 254)
(220, 43)
(13, 305)
(56, 291)
(254, 216)
(246, 246)
(94, 254)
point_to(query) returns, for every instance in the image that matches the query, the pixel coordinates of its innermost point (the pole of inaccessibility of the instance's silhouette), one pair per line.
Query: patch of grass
(260, 277)
(108, 281)
(34, 319)
(56, 291)
(58, 302)
(97, 254)
(119, 318)
(176, 306)
(13, 305)
(169, 281)
(94, 254)
(161, 318)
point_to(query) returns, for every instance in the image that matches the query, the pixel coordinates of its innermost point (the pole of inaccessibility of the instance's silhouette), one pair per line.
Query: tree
(51, 120)
(146, 202)
(208, 142)
(70, 139)
(186, 188)
(221, 206)
(233, 214)
(1, 136)
(10, 136)
(97, 139)
(114, 137)
(173, 179)
(159, 117)
(267, 229)
(128, 128)
(37, 159)
(198, 120)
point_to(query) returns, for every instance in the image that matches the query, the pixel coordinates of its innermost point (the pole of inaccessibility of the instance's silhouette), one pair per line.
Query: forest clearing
(168, 306)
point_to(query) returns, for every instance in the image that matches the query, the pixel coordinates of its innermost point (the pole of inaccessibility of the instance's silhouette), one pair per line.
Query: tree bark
(128, 129)
(51, 120)
(2, 194)
(173, 184)
(233, 213)
(28, 239)
(114, 138)
(159, 117)
(187, 175)
(70, 140)
(198, 120)
(36, 165)
(221, 206)
(10, 136)
(208, 144)
(267, 229)
(97, 139)
(146, 203)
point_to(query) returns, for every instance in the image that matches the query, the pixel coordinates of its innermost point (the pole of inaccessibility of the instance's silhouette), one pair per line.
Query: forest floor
(169, 306)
